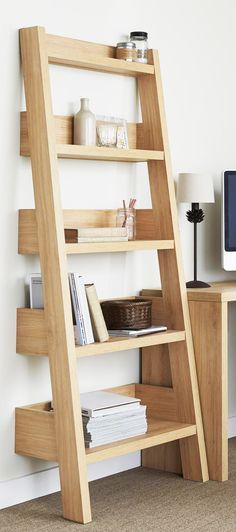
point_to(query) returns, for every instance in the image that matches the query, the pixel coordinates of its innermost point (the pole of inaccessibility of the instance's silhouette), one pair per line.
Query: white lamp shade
(195, 188)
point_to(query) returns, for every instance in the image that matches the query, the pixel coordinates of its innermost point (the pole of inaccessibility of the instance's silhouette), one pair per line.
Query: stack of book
(88, 320)
(96, 234)
(109, 417)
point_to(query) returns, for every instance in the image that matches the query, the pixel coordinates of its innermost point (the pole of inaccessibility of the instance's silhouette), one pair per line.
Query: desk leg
(209, 328)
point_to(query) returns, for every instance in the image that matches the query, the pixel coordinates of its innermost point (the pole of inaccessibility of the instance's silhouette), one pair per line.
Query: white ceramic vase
(85, 125)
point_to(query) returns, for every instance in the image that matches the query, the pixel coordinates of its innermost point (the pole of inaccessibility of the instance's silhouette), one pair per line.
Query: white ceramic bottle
(85, 125)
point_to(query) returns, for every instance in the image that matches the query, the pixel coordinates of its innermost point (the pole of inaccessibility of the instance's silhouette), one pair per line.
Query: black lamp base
(197, 284)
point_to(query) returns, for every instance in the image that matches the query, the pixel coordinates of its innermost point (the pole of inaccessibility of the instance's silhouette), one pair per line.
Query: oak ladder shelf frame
(173, 411)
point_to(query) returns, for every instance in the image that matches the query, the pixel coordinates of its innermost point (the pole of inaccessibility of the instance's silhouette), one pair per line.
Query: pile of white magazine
(109, 417)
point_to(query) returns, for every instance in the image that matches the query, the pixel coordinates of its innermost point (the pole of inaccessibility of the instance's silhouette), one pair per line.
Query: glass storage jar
(126, 51)
(140, 39)
(127, 218)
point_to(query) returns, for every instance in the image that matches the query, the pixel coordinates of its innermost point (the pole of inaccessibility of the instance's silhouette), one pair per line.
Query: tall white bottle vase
(85, 125)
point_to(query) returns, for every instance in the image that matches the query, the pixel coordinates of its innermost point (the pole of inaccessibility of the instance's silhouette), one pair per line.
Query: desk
(209, 319)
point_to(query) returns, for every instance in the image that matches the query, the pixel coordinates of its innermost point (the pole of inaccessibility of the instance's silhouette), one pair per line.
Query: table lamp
(195, 189)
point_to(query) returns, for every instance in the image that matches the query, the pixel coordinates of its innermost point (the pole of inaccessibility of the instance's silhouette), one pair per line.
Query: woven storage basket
(127, 313)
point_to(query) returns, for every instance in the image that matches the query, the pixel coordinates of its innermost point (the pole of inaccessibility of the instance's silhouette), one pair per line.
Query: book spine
(98, 323)
(84, 308)
(102, 231)
(77, 310)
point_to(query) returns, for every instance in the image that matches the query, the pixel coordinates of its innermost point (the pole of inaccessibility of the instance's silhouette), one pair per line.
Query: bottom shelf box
(35, 427)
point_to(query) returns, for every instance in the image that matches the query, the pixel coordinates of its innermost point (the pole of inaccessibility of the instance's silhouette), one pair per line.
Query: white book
(83, 303)
(36, 291)
(112, 439)
(103, 238)
(101, 231)
(99, 403)
(98, 323)
(138, 332)
(91, 435)
(79, 328)
(113, 419)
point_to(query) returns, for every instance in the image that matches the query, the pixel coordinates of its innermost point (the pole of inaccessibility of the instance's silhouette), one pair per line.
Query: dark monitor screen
(230, 210)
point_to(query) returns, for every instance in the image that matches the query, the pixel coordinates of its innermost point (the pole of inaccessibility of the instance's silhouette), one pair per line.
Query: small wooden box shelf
(35, 427)
(32, 337)
(28, 239)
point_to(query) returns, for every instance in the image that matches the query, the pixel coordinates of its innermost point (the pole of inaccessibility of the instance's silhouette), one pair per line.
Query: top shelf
(81, 54)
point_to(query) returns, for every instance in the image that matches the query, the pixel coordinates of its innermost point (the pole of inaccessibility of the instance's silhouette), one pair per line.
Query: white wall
(197, 41)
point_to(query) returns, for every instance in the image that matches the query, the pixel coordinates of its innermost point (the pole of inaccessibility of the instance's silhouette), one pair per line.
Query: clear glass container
(126, 51)
(127, 218)
(140, 39)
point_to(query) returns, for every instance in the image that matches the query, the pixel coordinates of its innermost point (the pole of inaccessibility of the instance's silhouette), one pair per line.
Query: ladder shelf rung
(81, 54)
(32, 339)
(73, 151)
(35, 435)
(107, 247)
(145, 231)
(122, 343)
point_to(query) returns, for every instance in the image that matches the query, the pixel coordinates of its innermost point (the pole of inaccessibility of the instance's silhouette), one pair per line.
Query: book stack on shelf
(96, 234)
(88, 320)
(109, 417)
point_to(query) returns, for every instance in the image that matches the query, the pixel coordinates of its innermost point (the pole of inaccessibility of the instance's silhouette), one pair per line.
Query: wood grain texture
(218, 291)
(32, 337)
(183, 367)
(64, 133)
(209, 326)
(35, 433)
(28, 240)
(35, 427)
(68, 424)
(95, 153)
(82, 54)
(208, 314)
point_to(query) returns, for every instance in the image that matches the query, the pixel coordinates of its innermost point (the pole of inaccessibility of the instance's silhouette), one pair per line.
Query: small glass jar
(126, 51)
(140, 39)
(127, 218)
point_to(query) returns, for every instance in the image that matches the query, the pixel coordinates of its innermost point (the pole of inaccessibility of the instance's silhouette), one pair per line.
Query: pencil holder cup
(127, 218)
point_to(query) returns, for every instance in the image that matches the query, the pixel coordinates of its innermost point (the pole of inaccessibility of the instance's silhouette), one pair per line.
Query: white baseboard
(232, 427)
(45, 482)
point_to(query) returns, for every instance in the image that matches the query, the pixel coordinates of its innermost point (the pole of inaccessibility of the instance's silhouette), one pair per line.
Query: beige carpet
(138, 500)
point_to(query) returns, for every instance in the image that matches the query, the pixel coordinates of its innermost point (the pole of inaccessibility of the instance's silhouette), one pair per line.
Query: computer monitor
(228, 211)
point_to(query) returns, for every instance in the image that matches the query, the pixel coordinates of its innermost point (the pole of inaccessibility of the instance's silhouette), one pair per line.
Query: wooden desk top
(220, 291)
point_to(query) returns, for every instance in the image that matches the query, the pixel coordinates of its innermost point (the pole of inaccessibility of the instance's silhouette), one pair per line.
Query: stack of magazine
(96, 234)
(88, 320)
(109, 417)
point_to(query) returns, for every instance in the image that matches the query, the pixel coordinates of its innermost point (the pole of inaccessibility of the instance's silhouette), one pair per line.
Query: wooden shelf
(78, 54)
(114, 247)
(32, 339)
(122, 343)
(146, 232)
(72, 151)
(159, 432)
(35, 427)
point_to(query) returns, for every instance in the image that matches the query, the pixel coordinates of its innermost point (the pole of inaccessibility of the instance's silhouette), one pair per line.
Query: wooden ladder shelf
(173, 409)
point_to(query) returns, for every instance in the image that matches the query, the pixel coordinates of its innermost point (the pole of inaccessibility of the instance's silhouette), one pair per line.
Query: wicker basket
(127, 313)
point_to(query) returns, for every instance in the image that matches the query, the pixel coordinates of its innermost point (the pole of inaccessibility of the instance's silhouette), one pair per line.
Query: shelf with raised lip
(32, 339)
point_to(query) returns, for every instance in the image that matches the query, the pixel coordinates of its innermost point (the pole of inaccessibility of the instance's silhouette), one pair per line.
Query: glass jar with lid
(140, 39)
(126, 51)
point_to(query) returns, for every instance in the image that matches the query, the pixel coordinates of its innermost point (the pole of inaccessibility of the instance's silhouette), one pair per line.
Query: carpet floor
(138, 500)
